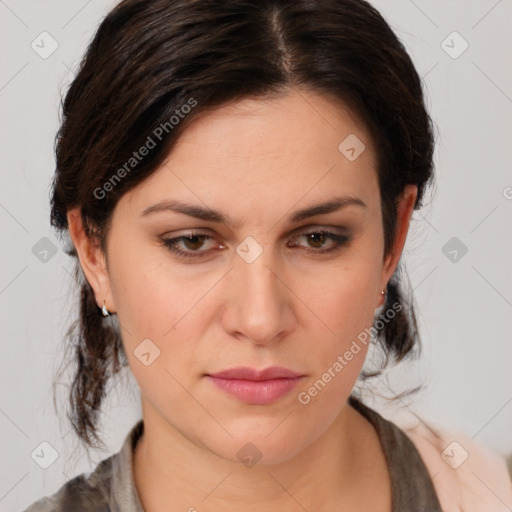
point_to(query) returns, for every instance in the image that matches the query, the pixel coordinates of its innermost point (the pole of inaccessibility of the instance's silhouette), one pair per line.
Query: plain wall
(464, 306)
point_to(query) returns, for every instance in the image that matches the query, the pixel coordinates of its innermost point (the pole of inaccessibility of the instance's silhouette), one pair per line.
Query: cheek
(343, 299)
(343, 303)
(151, 297)
(337, 353)
(162, 304)
(342, 350)
(153, 313)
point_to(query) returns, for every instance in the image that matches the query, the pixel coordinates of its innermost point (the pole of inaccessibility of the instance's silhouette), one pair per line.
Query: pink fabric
(467, 476)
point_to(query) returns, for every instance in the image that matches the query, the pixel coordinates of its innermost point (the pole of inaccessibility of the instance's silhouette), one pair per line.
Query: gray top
(111, 488)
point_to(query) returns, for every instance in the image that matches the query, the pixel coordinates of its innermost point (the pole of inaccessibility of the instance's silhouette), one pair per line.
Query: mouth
(256, 387)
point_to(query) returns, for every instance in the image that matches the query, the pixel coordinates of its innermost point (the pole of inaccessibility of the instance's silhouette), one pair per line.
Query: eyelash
(170, 243)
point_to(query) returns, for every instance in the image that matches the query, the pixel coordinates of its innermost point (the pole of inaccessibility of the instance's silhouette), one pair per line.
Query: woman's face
(254, 290)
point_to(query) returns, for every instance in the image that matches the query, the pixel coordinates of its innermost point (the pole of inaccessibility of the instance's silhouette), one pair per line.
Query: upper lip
(248, 373)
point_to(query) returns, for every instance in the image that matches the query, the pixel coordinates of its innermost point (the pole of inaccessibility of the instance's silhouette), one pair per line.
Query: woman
(237, 179)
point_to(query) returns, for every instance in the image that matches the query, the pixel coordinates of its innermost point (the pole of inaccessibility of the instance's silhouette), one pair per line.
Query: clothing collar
(124, 493)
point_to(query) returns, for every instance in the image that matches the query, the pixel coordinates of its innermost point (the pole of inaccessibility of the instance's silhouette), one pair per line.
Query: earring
(104, 309)
(383, 292)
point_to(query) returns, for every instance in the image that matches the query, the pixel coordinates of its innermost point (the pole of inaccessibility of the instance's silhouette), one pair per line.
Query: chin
(257, 447)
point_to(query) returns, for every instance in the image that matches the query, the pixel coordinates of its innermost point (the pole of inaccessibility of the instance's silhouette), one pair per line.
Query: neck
(174, 472)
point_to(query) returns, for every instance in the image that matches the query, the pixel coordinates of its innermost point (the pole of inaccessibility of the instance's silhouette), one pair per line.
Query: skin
(256, 161)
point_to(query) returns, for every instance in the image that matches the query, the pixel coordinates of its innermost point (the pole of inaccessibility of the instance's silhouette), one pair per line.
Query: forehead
(296, 117)
(263, 152)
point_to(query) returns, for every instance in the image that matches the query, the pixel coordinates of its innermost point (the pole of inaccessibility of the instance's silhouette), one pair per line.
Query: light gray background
(464, 306)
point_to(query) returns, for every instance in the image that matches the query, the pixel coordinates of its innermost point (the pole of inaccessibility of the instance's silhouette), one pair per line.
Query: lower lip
(256, 392)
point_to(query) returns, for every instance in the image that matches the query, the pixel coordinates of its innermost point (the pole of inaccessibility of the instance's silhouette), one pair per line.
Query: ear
(405, 208)
(92, 260)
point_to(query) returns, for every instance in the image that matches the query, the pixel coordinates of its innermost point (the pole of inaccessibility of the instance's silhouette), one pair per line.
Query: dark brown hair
(149, 59)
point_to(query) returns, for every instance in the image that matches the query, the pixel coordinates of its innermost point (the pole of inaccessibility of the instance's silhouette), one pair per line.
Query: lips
(248, 373)
(256, 387)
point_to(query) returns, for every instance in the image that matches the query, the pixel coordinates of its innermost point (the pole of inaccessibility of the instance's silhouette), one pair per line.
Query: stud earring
(104, 310)
(383, 292)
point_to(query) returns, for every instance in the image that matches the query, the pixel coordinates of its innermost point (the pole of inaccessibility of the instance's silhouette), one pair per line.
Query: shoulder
(88, 492)
(110, 487)
(467, 476)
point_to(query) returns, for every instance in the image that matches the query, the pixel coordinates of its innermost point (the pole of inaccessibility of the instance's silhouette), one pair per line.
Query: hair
(152, 67)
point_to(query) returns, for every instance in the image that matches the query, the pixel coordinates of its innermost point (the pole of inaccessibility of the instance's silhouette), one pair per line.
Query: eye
(317, 239)
(192, 243)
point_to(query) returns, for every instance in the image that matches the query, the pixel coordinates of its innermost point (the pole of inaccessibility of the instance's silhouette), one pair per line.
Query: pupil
(194, 239)
(317, 237)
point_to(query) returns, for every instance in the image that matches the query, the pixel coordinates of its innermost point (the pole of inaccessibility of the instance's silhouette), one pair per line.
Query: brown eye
(316, 240)
(192, 243)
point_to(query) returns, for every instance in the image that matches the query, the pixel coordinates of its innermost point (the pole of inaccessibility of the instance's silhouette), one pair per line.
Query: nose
(259, 305)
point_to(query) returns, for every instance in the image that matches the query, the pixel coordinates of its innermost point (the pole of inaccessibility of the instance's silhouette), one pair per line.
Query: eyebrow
(207, 214)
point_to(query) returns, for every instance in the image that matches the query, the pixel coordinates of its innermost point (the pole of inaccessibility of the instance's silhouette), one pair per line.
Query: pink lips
(258, 387)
